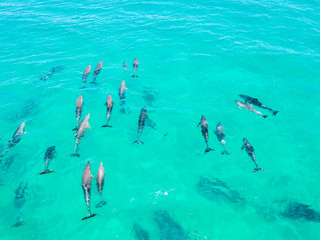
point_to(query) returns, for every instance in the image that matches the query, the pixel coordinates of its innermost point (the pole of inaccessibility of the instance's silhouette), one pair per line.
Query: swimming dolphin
(79, 105)
(96, 72)
(109, 105)
(124, 65)
(220, 135)
(142, 118)
(250, 150)
(135, 66)
(50, 154)
(15, 138)
(85, 74)
(19, 201)
(100, 184)
(86, 187)
(80, 134)
(49, 74)
(204, 129)
(249, 108)
(122, 94)
(257, 103)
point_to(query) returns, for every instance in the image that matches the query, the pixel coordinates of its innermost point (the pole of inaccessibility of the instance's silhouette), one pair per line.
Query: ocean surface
(196, 57)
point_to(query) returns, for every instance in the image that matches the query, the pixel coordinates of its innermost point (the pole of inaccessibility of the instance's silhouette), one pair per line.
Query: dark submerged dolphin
(96, 72)
(15, 138)
(79, 104)
(169, 229)
(50, 154)
(86, 187)
(204, 130)
(250, 151)
(80, 134)
(100, 184)
(19, 201)
(50, 73)
(215, 190)
(142, 119)
(299, 211)
(109, 104)
(256, 102)
(220, 135)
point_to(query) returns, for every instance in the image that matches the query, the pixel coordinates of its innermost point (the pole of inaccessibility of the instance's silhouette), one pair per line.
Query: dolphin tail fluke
(257, 169)
(106, 126)
(225, 153)
(75, 155)
(274, 112)
(46, 171)
(18, 224)
(90, 216)
(134, 75)
(208, 150)
(101, 203)
(138, 142)
(264, 116)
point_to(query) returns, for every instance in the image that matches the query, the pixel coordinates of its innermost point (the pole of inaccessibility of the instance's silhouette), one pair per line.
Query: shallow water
(195, 58)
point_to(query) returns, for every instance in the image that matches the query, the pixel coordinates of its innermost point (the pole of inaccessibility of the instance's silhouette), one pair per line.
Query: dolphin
(124, 65)
(50, 154)
(86, 187)
(122, 94)
(85, 74)
(169, 229)
(15, 138)
(96, 72)
(249, 108)
(109, 105)
(250, 150)
(257, 103)
(79, 105)
(100, 184)
(142, 119)
(135, 66)
(80, 133)
(204, 129)
(50, 73)
(19, 201)
(220, 135)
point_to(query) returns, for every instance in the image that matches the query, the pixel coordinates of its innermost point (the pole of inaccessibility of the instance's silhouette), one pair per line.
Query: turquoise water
(195, 58)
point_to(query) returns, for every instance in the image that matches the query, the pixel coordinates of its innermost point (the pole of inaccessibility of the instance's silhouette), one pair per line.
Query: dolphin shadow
(139, 233)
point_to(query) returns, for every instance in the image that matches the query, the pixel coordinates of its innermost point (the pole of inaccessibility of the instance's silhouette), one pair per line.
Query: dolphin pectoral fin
(264, 116)
(90, 216)
(138, 142)
(75, 129)
(45, 172)
(89, 125)
(208, 150)
(75, 155)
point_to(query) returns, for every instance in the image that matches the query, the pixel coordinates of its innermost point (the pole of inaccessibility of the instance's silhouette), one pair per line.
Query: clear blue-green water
(195, 58)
